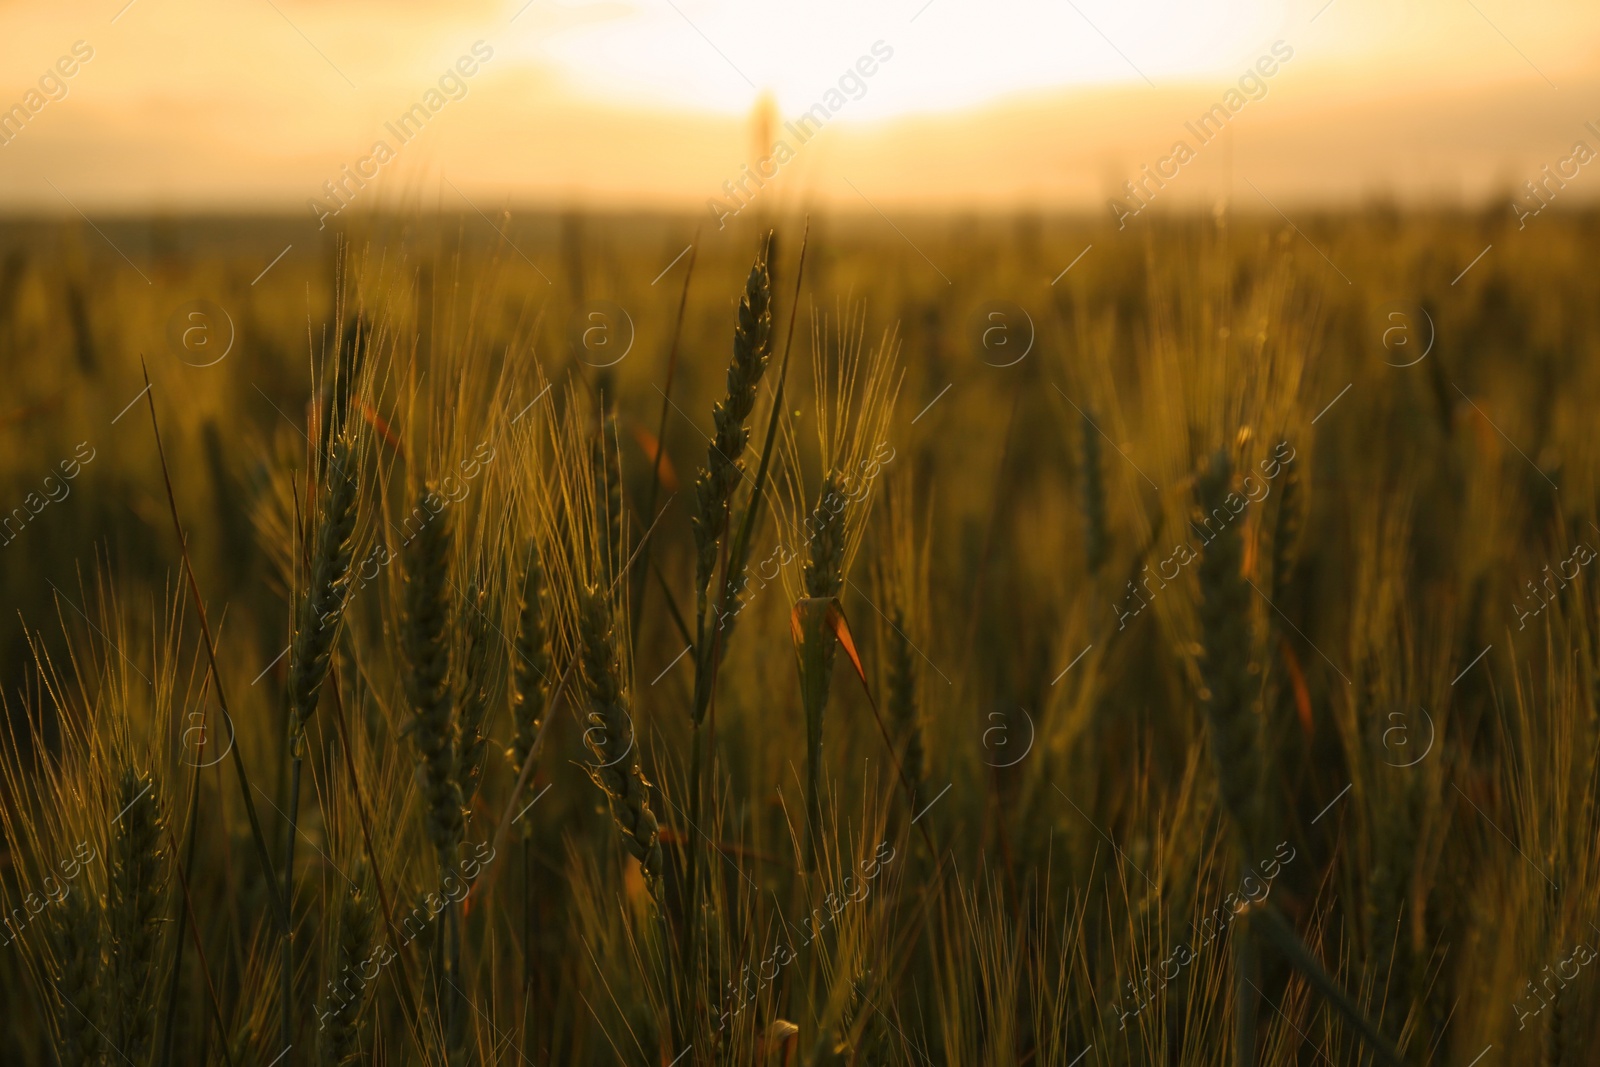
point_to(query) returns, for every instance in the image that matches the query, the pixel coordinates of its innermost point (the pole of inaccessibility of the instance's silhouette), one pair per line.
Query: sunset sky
(256, 103)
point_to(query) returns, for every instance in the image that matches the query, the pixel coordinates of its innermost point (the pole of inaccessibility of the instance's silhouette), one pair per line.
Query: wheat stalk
(904, 709)
(1230, 682)
(321, 609)
(1229, 699)
(855, 391)
(1093, 495)
(902, 578)
(1286, 530)
(1388, 883)
(1554, 1036)
(824, 577)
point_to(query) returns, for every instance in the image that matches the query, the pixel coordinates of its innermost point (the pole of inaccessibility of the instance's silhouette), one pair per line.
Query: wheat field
(838, 644)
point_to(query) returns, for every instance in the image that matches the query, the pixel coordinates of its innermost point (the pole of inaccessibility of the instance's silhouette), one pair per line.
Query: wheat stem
(286, 974)
(823, 578)
(1230, 685)
(1093, 495)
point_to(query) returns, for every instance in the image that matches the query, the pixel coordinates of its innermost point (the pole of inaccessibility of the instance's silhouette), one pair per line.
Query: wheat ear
(752, 350)
(1554, 1037)
(134, 907)
(824, 569)
(328, 589)
(824, 577)
(530, 674)
(424, 638)
(75, 945)
(350, 990)
(1229, 699)
(473, 687)
(1230, 684)
(612, 529)
(714, 488)
(611, 738)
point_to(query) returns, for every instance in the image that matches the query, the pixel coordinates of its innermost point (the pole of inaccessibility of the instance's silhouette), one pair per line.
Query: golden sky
(179, 105)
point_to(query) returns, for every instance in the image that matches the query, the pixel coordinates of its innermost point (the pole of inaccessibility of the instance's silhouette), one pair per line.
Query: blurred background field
(1427, 709)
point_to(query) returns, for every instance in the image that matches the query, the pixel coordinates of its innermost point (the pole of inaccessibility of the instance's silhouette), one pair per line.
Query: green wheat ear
(135, 911)
(327, 589)
(1230, 683)
(474, 689)
(425, 641)
(75, 931)
(752, 350)
(1554, 1037)
(612, 527)
(531, 666)
(1286, 531)
(350, 990)
(611, 737)
(824, 569)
